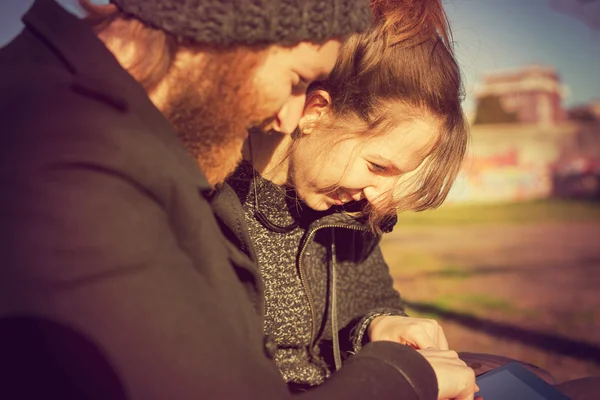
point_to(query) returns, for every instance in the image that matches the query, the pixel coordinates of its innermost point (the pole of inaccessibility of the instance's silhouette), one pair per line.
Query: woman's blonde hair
(405, 60)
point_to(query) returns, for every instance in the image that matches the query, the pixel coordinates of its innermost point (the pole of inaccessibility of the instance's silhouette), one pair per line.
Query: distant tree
(582, 114)
(592, 12)
(490, 111)
(587, 11)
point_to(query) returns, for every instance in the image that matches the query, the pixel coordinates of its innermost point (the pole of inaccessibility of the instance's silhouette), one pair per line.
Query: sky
(493, 35)
(489, 35)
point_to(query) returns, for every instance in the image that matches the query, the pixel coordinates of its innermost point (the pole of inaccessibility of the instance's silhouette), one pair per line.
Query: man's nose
(288, 117)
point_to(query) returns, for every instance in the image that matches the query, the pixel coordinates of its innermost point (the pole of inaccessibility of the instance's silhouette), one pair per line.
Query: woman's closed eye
(384, 168)
(377, 168)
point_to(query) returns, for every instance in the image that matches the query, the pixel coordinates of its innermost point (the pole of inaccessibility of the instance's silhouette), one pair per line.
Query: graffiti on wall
(501, 177)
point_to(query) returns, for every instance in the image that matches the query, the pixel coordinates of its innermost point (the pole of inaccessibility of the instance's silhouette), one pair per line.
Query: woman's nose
(355, 195)
(379, 192)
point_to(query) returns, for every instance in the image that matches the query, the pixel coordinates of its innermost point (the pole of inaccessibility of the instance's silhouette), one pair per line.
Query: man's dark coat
(107, 236)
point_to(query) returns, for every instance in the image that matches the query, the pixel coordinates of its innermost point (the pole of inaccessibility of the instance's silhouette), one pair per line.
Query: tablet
(514, 382)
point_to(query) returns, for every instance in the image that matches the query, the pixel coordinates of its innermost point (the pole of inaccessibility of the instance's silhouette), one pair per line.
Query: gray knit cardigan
(328, 265)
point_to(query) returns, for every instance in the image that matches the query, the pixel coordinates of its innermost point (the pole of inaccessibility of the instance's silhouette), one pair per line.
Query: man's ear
(316, 107)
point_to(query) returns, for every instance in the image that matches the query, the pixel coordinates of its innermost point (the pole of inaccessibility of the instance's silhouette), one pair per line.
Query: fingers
(455, 379)
(424, 341)
(420, 333)
(432, 332)
(470, 388)
(441, 338)
(426, 333)
(470, 395)
(445, 354)
(467, 397)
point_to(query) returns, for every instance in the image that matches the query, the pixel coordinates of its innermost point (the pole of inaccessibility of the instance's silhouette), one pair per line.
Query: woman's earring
(305, 129)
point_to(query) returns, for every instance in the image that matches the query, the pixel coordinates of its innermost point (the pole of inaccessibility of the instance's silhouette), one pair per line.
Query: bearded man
(116, 281)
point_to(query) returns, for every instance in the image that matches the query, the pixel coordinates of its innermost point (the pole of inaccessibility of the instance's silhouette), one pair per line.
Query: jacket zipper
(305, 283)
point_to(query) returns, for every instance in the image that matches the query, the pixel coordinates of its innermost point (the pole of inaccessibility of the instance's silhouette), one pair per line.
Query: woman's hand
(419, 333)
(455, 379)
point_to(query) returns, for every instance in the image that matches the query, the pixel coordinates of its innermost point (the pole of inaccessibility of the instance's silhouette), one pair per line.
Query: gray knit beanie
(252, 22)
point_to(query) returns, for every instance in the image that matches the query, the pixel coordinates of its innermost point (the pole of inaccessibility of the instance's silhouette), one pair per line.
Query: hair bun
(411, 20)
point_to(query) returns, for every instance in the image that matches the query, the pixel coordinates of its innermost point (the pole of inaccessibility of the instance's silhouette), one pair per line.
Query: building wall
(510, 162)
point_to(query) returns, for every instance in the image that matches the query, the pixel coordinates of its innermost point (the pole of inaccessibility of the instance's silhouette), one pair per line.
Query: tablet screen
(504, 385)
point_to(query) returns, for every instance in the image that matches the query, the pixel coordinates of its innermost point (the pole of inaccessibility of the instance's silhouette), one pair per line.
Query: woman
(384, 133)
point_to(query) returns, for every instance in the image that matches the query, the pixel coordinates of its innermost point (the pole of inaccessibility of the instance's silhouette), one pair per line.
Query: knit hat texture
(252, 22)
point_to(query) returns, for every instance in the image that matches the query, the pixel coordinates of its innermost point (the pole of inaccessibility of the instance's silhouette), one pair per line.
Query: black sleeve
(382, 370)
(94, 254)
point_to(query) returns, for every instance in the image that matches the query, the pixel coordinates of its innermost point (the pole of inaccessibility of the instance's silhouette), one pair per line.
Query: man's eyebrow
(323, 75)
(306, 81)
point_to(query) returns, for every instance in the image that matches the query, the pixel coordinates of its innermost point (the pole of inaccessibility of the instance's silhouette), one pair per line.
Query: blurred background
(510, 264)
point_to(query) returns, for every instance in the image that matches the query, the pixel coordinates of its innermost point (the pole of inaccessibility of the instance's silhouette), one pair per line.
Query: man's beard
(213, 109)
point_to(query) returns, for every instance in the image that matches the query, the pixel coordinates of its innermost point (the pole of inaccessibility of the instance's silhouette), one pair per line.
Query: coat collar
(97, 74)
(345, 218)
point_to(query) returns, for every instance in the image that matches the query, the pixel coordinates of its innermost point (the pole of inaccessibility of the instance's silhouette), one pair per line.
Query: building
(511, 162)
(527, 95)
(594, 107)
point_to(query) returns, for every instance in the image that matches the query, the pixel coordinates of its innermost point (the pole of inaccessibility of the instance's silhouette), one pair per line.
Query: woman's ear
(316, 107)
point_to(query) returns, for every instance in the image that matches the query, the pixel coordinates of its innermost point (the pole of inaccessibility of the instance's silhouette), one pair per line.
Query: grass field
(519, 280)
(504, 213)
